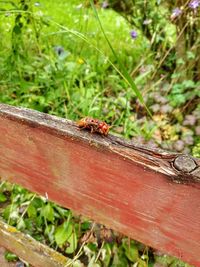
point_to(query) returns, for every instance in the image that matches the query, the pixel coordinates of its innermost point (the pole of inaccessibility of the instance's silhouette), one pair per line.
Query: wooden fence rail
(150, 195)
(30, 250)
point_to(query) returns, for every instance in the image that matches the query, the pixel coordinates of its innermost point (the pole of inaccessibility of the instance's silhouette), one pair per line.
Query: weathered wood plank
(29, 249)
(127, 187)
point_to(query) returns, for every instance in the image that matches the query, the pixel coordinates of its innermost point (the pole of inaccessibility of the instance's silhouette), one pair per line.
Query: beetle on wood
(94, 125)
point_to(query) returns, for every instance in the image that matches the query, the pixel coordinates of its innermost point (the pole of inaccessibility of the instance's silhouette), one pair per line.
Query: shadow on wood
(150, 195)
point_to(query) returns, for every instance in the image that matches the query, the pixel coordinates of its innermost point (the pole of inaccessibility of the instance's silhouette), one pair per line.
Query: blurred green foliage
(54, 58)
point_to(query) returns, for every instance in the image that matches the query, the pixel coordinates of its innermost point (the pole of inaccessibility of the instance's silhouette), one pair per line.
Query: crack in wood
(126, 186)
(179, 167)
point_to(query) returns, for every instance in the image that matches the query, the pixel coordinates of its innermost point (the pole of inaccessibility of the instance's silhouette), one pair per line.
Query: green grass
(83, 80)
(78, 82)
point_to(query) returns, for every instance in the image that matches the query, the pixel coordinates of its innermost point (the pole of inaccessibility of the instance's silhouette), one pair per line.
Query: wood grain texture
(127, 187)
(29, 249)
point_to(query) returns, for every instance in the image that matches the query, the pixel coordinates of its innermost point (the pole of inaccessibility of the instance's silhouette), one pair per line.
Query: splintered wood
(152, 196)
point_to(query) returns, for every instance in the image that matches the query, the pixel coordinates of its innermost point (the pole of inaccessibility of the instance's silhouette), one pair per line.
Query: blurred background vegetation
(56, 58)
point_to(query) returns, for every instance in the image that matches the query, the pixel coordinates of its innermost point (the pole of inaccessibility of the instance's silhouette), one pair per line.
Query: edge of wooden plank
(27, 248)
(157, 160)
(63, 133)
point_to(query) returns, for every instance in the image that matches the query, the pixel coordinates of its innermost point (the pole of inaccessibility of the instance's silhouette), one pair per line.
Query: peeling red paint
(104, 186)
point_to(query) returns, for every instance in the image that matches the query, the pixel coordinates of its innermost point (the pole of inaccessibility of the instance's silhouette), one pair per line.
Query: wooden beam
(28, 249)
(150, 195)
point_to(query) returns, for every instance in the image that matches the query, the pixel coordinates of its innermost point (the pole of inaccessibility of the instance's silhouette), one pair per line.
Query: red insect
(94, 125)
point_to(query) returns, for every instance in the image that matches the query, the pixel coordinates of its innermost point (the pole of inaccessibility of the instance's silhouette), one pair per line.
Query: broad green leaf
(48, 212)
(63, 232)
(72, 241)
(131, 250)
(2, 197)
(62, 212)
(119, 258)
(9, 256)
(32, 212)
(11, 212)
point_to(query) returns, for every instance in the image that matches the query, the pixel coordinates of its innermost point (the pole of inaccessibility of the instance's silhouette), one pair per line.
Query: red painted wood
(79, 173)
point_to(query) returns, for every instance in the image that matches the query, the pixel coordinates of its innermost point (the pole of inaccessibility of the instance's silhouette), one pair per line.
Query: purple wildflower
(105, 4)
(133, 34)
(176, 12)
(194, 4)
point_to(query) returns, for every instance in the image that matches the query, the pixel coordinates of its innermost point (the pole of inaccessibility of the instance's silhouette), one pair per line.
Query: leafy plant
(182, 92)
(9, 256)
(80, 58)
